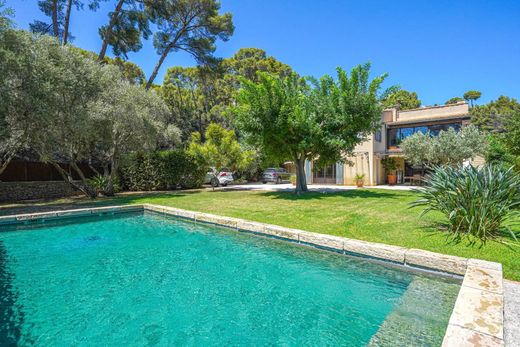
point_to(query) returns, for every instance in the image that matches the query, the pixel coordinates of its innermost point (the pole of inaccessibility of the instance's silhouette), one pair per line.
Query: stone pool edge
(477, 317)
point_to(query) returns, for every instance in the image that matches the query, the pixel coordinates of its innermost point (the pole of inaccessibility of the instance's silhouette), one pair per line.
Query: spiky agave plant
(479, 203)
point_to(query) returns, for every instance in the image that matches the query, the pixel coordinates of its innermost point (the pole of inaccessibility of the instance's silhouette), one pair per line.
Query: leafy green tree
(454, 100)
(201, 95)
(69, 109)
(323, 121)
(26, 91)
(498, 154)
(60, 13)
(449, 148)
(131, 71)
(128, 23)
(127, 119)
(404, 99)
(6, 15)
(471, 96)
(492, 116)
(192, 26)
(248, 61)
(221, 149)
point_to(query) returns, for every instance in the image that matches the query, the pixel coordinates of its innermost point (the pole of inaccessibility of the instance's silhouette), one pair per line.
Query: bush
(180, 169)
(100, 184)
(141, 171)
(162, 170)
(479, 203)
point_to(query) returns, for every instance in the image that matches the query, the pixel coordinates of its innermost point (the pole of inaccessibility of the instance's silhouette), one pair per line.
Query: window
(396, 135)
(377, 136)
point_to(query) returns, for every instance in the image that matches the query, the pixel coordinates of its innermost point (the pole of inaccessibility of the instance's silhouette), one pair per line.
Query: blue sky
(439, 49)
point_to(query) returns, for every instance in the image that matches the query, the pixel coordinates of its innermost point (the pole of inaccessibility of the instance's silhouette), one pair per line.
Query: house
(395, 126)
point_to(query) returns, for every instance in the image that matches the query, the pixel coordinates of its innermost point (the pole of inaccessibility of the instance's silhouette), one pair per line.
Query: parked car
(216, 178)
(276, 175)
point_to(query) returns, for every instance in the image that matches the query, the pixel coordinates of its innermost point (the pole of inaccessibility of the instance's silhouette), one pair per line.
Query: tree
(449, 148)
(68, 109)
(492, 116)
(404, 99)
(248, 61)
(60, 13)
(221, 149)
(128, 119)
(323, 121)
(6, 15)
(201, 95)
(471, 96)
(127, 24)
(26, 91)
(454, 100)
(192, 26)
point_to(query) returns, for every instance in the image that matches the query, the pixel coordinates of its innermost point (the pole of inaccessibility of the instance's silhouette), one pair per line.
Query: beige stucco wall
(361, 165)
(437, 112)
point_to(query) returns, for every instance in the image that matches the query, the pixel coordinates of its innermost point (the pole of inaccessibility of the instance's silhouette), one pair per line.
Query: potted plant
(360, 180)
(390, 165)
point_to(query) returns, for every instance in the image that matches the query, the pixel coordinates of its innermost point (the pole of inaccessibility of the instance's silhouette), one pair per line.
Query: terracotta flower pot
(360, 183)
(392, 179)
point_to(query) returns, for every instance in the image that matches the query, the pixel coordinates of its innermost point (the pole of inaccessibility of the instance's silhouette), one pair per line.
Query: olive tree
(69, 109)
(321, 120)
(26, 91)
(449, 148)
(127, 119)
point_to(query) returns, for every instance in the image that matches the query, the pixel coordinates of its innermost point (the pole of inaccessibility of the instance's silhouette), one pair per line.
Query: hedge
(161, 170)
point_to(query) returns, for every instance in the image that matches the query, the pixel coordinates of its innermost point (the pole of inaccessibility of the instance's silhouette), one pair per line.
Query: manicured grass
(367, 214)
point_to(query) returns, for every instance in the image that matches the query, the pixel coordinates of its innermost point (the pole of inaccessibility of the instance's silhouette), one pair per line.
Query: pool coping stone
(478, 315)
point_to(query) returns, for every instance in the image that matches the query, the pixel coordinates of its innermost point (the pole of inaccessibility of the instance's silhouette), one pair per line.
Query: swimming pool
(147, 279)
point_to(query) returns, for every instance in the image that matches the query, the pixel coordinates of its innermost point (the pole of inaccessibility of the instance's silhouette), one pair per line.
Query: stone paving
(512, 313)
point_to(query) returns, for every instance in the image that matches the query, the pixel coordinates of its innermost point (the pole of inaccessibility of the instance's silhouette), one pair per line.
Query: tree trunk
(157, 67)
(55, 18)
(66, 24)
(108, 33)
(67, 177)
(109, 189)
(5, 163)
(301, 181)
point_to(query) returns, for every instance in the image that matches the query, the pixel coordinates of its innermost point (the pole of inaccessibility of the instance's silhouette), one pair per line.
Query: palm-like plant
(479, 203)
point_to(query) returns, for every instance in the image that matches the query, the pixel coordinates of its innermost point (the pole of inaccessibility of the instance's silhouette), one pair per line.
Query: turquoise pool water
(151, 280)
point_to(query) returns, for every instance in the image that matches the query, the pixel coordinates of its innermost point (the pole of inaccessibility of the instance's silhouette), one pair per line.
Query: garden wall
(16, 191)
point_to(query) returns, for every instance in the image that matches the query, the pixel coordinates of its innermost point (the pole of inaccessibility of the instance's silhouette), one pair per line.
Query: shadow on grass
(358, 193)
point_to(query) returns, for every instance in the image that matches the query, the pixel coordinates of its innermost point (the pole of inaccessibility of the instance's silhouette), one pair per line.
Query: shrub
(162, 170)
(180, 169)
(142, 171)
(100, 184)
(479, 203)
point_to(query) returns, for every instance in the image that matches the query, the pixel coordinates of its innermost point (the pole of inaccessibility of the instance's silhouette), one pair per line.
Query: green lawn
(368, 214)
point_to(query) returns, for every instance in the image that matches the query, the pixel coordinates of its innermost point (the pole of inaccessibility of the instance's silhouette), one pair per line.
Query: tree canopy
(448, 148)
(471, 96)
(492, 116)
(454, 100)
(323, 120)
(69, 109)
(197, 96)
(192, 26)
(403, 99)
(221, 149)
(6, 16)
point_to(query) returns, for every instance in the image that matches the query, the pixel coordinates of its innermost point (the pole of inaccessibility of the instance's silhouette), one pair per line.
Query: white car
(222, 177)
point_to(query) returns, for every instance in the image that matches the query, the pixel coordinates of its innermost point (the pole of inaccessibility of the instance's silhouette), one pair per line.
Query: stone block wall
(17, 191)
